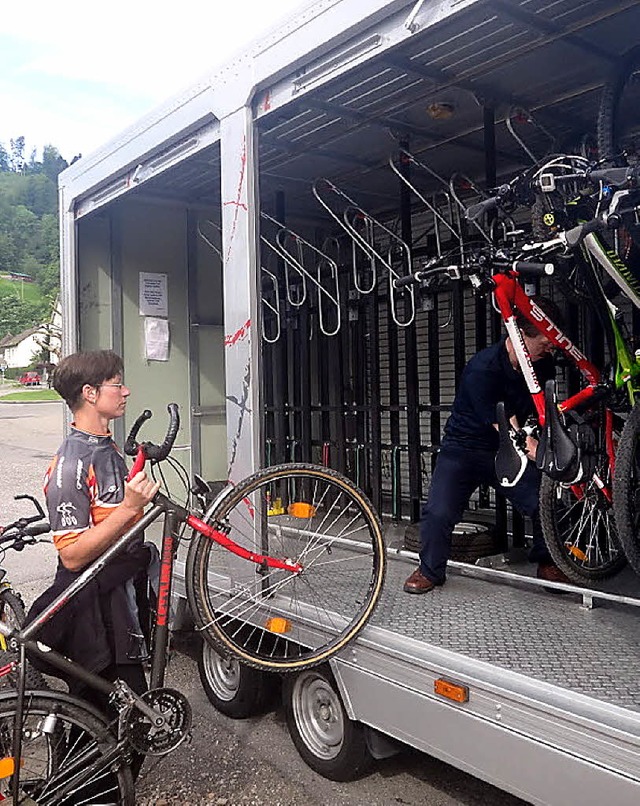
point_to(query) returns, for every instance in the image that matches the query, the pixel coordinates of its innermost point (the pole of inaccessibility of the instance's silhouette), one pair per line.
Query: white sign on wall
(153, 294)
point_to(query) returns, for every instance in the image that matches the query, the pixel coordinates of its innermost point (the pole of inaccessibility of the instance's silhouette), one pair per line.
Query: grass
(31, 395)
(31, 291)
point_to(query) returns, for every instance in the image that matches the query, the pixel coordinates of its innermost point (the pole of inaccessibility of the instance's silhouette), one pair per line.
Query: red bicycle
(283, 571)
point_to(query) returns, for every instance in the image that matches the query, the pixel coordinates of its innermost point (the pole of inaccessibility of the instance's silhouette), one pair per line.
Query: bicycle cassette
(172, 727)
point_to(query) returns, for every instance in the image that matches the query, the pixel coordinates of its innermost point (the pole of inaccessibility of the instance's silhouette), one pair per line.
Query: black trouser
(458, 473)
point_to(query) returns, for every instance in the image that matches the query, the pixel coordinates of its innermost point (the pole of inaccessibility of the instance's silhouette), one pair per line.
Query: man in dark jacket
(467, 457)
(90, 507)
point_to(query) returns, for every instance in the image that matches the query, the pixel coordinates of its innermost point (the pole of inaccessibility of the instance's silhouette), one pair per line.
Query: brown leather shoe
(418, 583)
(551, 573)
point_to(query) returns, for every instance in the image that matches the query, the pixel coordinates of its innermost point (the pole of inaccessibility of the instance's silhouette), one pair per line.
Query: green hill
(28, 292)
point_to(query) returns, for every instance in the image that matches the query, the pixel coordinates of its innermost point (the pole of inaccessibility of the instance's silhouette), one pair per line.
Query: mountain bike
(605, 201)
(283, 570)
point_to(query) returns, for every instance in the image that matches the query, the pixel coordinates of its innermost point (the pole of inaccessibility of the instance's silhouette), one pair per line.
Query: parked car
(30, 378)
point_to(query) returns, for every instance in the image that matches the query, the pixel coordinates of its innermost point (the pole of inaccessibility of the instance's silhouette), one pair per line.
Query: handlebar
(527, 267)
(476, 210)
(616, 176)
(24, 531)
(574, 237)
(149, 450)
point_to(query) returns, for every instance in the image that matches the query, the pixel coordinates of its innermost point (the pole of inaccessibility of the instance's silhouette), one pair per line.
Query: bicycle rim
(60, 739)
(275, 619)
(580, 531)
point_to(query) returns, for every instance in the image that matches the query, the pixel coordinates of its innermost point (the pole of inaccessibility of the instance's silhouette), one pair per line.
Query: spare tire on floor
(469, 541)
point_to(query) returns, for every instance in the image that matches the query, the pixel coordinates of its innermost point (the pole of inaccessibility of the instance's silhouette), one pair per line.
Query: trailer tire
(236, 690)
(465, 546)
(327, 740)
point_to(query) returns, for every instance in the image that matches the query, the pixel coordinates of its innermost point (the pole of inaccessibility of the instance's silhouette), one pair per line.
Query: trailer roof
(348, 89)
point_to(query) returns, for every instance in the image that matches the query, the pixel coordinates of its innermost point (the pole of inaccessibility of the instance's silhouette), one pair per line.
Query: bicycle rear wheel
(61, 738)
(618, 118)
(278, 620)
(579, 527)
(626, 489)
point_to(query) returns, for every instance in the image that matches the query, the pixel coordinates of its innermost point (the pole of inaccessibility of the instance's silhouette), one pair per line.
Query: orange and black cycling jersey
(83, 483)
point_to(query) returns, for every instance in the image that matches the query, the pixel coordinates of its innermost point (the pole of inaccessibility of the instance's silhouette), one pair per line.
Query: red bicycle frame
(509, 295)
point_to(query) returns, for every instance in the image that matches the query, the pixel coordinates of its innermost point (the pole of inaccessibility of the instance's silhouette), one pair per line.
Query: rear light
(451, 691)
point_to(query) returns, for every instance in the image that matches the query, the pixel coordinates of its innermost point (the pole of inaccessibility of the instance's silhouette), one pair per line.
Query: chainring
(158, 740)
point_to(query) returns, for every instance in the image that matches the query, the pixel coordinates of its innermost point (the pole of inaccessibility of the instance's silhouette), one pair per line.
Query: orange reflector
(300, 509)
(7, 767)
(278, 624)
(577, 553)
(452, 691)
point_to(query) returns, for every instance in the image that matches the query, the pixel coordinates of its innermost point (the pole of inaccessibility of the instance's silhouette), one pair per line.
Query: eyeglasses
(114, 385)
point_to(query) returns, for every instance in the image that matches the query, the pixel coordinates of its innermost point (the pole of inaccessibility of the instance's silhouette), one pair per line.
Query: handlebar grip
(533, 269)
(147, 450)
(574, 237)
(159, 452)
(615, 176)
(37, 529)
(476, 210)
(409, 279)
(130, 445)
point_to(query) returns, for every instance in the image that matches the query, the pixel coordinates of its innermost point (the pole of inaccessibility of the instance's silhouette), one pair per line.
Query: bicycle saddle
(563, 452)
(511, 460)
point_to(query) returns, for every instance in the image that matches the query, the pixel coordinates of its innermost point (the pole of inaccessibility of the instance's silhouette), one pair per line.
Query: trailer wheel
(328, 741)
(236, 690)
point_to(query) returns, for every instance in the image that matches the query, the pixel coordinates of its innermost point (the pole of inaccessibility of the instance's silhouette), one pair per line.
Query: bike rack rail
(274, 306)
(323, 261)
(347, 222)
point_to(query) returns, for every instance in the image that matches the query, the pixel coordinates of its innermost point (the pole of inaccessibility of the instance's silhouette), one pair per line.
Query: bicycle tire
(626, 489)
(608, 124)
(61, 735)
(580, 533)
(288, 622)
(34, 680)
(12, 612)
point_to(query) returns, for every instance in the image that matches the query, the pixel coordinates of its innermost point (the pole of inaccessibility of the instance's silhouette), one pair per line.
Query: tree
(17, 153)
(52, 163)
(17, 315)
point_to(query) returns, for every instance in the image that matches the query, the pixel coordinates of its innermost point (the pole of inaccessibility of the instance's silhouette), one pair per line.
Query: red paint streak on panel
(240, 334)
(238, 204)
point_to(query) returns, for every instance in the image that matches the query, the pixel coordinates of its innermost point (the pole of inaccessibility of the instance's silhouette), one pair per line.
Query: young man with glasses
(91, 505)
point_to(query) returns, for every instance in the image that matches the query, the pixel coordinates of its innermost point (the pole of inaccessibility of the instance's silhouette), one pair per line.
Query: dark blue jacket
(487, 379)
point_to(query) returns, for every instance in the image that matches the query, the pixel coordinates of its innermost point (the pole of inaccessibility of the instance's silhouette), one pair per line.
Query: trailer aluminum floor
(553, 714)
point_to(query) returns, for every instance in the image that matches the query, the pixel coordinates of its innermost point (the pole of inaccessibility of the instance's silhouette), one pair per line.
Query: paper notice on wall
(156, 339)
(153, 294)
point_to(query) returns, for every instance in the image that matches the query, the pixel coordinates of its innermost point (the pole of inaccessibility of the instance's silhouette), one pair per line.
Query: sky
(73, 74)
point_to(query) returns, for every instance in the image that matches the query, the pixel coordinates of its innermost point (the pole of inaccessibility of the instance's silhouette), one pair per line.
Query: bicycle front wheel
(61, 739)
(626, 489)
(12, 613)
(275, 619)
